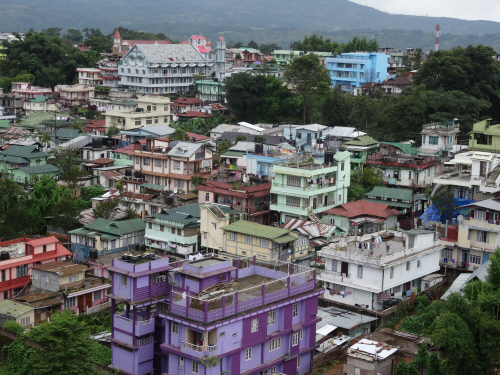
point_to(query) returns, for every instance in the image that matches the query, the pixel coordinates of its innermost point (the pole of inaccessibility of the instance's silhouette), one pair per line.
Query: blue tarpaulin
(123, 144)
(433, 214)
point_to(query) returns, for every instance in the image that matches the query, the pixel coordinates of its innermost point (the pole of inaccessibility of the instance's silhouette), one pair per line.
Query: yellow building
(246, 239)
(213, 217)
(151, 110)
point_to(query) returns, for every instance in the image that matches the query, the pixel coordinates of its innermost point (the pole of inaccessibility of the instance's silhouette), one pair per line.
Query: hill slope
(220, 17)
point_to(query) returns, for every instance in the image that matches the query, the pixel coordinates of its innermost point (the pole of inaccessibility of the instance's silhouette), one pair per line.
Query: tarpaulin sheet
(433, 214)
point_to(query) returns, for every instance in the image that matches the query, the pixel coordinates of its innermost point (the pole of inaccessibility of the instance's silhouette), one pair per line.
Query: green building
(360, 148)
(485, 136)
(302, 189)
(284, 57)
(21, 163)
(209, 90)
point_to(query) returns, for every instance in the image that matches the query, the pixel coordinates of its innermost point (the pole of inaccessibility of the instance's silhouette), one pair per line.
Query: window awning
(153, 186)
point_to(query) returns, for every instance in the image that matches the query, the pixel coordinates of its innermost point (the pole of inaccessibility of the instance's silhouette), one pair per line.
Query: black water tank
(143, 247)
(96, 143)
(138, 174)
(259, 148)
(93, 254)
(109, 143)
(4, 255)
(128, 172)
(136, 247)
(151, 256)
(169, 200)
(134, 259)
(125, 257)
(329, 157)
(84, 262)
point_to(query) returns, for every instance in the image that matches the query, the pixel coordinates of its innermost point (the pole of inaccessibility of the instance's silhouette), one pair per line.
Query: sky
(464, 9)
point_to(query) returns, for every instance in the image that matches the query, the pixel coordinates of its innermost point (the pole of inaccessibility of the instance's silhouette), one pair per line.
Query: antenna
(437, 33)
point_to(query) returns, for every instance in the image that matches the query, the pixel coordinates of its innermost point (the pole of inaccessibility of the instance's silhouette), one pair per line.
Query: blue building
(259, 164)
(353, 70)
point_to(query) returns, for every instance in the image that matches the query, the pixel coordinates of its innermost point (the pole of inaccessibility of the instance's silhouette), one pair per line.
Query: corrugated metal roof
(363, 207)
(312, 127)
(492, 204)
(167, 53)
(310, 228)
(250, 126)
(28, 152)
(393, 193)
(184, 149)
(61, 268)
(185, 214)
(457, 285)
(257, 230)
(13, 308)
(42, 241)
(345, 132)
(364, 140)
(379, 350)
(341, 318)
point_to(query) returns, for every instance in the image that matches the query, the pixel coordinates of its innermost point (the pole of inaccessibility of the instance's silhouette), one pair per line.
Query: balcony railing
(308, 187)
(14, 282)
(198, 348)
(252, 210)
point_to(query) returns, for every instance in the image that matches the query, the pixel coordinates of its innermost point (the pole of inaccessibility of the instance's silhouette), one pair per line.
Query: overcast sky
(464, 9)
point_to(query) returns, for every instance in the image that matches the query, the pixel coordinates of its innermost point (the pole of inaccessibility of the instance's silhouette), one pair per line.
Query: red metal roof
(194, 114)
(198, 137)
(363, 208)
(43, 241)
(187, 101)
(117, 34)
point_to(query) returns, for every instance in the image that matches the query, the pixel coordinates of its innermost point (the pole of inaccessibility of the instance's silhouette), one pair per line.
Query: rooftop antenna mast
(437, 34)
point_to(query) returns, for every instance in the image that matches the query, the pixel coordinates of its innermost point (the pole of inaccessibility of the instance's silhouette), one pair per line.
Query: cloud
(464, 9)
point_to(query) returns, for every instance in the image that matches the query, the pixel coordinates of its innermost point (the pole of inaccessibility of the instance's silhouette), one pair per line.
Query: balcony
(251, 210)
(198, 348)
(123, 323)
(14, 283)
(143, 327)
(308, 187)
(482, 246)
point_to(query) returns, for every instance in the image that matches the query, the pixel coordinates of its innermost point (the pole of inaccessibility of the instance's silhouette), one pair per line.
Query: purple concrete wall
(213, 267)
(269, 356)
(290, 367)
(235, 363)
(287, 317)
(159, 263)
(194, 285)
(124, 337)
(142, 281)
(120, 290)
(146, 367)
(210, 281)
(123, 265)
(305, 364)
(141, 267)
(173, 364)
(229, 342)
(146, 352)
(304, 343)
(123, 359)
(251, 338)
(255, 361)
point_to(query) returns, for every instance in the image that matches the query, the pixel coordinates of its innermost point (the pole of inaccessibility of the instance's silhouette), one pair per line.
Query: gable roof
(186, 101)
(363, 207)
(404, 147)
(398, 81)
(42, 241)
(62, 268)
(68, 133)
(198, 137)
(310, 228)
(168, 53)
(393, 193)
(184, 149)
(116, 228)
(312, 127)
(279, 235)
(158, 130)
(364, 140)
(345, 131)
(185, 214)
(39, 169)
(27, 152)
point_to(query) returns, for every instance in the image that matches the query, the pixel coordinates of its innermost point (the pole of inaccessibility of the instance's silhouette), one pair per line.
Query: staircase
(314, 218)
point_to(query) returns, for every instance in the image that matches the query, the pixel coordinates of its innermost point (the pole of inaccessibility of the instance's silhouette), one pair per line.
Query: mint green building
(302, 189)
(360, 148)
(209, 90)
(21, 163)
(485, 136)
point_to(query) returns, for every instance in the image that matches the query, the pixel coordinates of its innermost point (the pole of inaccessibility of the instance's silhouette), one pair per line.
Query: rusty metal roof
(62, 268)
(310, 228)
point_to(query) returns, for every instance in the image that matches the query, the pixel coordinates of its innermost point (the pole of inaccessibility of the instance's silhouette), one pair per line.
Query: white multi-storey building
(366, 277)
(89, 76)
(168, 68)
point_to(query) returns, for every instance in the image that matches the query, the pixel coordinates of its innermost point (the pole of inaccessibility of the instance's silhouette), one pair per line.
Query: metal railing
(308, 187)
(199, 348)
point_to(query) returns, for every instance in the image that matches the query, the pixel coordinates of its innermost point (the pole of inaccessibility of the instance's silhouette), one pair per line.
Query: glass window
(433, 140)
(263, 242)
(476, 259)
(295, 310)
(293, 181)
(248, 354)
(275, 344)
(232, 236)
(295, 339)
(292, 201)
(255, 325)
(195, 367)
(248, 239)
(271, 317)
(175, 327)
(360, 272)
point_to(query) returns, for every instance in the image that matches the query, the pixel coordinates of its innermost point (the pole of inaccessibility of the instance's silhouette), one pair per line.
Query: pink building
(18, 257)
(28, 91)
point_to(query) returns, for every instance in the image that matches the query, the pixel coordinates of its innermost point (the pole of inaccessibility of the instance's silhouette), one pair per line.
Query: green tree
(252, 44)
(46, 195)
(53, 31)
(63, 347)
(112, 130)
(69, 166)
(106, 209)
(66, 215)
(240, 138)
(363, 183)
(99, 44)
(237, 56)
(73, 36)
(309, 79)
(223, 146)
(444, 203)
(267, 49)
(260, 139)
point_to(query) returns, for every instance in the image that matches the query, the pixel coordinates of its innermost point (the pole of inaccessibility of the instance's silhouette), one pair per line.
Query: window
(273, 369)
(334, 265)
(195, 367)
(292, 201)
(72, 279)
(248, 354)
(124, 280)
(298, 361)
(274, 344)
(207, 197)
(447, 254)
(204, 235)
(479, 214)
(69, 302)
(332, 221)
(423, 139)
(157, 163)
(295, 310)
(295, 339)
(293, 181)
(177, 165)
(44, 248)
(162, 228)
(342, 166)
(222, 334)
(433, 140)
(113, 244)
(271, 317)
(476, 259)
(263, 242)
(248, 239)
(232, 236)
(255, 325)
(360, 272)
(22, 271)
(97, 295)
(409, 175)
(392, 272)
(3, 275)
(396, 289)
(146, 161)
(172, 230)
(482, 236)
(25, 321)
(175, 328)
(181, 361)
(137, 160)
(408, 266)
(419, 264)
(179, 232)
(301, 334)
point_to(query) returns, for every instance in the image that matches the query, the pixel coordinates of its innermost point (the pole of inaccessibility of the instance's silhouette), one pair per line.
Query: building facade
(167, 326)
(485, 136)
(149, 110)
(89, 76)
(439, 136)
(352, 70)
(303, 189)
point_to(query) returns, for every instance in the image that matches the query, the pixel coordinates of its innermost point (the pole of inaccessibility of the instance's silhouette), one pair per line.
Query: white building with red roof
(18, 256)
(122, 46)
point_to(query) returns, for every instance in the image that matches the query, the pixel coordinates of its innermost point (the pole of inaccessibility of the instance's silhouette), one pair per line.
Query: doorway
(344, 268)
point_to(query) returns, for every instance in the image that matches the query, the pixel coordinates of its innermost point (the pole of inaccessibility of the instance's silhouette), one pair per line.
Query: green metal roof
(28, 152)
(259, 230)
(184, 215)
(14, 309)
(404, 147)
(423, 197)
(393, 193)
(4, 123)
(39, 99)
(36, 118)
(14, 159)
(285, 239)
(40, 169)
(364, 140)
(68, 133)
(116, 228)
(233, 153)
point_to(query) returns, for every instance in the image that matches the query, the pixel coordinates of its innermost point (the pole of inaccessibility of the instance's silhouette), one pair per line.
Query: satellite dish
(460, 218)
(163, 150)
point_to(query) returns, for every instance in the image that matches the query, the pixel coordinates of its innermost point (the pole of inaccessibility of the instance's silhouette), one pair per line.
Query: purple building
(255, 317)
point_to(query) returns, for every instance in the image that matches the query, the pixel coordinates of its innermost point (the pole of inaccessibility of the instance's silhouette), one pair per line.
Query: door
(80, 304)
(315, 203)
(464, 258)
(344, 268)
(408, 285)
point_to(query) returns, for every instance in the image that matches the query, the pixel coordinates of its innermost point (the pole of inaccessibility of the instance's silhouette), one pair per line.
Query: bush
(13, 326)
